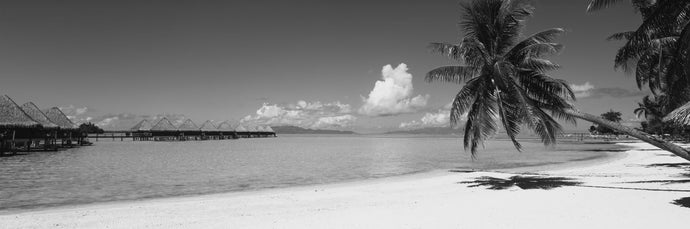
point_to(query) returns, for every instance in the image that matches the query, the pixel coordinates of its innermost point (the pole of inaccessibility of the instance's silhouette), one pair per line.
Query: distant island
(430, 131)
(300, 130)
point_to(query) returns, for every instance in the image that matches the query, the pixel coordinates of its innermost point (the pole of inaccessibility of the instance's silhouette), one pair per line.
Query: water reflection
(110, 171)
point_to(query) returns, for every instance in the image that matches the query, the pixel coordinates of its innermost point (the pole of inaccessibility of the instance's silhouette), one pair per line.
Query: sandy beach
(640, 188)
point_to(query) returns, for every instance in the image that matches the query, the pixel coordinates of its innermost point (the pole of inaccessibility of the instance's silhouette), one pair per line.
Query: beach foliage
(613, 116)
(505, 81)
(658, 51)
(90, 128)
(504, 75)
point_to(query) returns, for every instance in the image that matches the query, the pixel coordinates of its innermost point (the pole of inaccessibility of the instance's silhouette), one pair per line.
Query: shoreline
(400, 201)
(609, 154)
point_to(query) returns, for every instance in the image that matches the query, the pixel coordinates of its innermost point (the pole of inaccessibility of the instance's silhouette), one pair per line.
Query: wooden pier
(164, 130)
(27, 128)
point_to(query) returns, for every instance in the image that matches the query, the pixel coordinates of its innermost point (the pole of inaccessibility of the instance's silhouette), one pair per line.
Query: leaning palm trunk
(673, 148)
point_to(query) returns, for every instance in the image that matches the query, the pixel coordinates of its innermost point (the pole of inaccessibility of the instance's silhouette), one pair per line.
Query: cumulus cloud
(305, 114)
(440, 118)
(392, 95)
(588, 90)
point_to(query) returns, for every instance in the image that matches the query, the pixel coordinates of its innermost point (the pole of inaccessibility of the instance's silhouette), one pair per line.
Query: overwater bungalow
(270, 130)
(241, 131)
(142, 130)
(266, 131)
(16, 126)
(47, 134)
(189, 130)
(209, 131)
(227, 130)
(68, 132)
(164, 130)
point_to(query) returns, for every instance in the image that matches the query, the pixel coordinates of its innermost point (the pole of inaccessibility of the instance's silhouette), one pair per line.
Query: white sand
(431, 200)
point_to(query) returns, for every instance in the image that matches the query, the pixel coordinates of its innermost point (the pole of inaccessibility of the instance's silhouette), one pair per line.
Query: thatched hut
(208, 126)
(56, 116)
(12, 116)
(142, 130)
(189, 130)
(241, 131)
(225, 126)
(48, 133)
(268, 131)
(188, 125)
(209, 131)
(37, 115)
(164, 130)
(227, 130)
(68, 130)
(164, 125)
(143, 125)
(15, 125)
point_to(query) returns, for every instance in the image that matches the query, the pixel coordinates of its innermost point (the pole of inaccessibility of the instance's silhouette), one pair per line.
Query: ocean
(115, 170)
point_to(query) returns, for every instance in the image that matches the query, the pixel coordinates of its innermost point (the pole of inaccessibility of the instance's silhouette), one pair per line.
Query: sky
(353, 65)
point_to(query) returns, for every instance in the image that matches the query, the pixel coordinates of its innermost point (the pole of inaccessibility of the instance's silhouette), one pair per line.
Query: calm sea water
(114, 170)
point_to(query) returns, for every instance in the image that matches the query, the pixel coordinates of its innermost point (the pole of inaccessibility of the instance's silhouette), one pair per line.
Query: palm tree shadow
(523, 182)
(683, 202)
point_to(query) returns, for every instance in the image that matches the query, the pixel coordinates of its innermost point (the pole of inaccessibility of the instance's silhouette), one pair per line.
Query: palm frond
(595, 5)
(680, 115)
(451, 74)
(620, 36)
(449, 50)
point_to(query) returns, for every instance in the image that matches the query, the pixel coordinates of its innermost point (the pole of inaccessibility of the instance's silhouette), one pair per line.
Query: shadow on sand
(461, 171)
(523, 182)
(683, 202)
(671, 165)
(662, 181)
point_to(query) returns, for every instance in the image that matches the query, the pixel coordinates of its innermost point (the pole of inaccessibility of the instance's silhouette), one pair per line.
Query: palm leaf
(451, 74)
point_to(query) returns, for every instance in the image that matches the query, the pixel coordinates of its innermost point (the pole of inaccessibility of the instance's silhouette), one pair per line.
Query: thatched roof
(226, 126)
(240, 128)
(680, 115)
(269, 129)
(188, 125)
(250, 128)
(164, 125)
(37, 115)
(208, 126)
(11, 115)
(56, 116)
(260, 129)
(144, 125)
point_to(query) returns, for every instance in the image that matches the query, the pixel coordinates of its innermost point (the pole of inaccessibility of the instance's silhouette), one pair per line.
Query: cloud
(393, 94)
(334, 115)
(440, 118)
(582, 91)
(588, 90)
(77, 114)
(334, 122)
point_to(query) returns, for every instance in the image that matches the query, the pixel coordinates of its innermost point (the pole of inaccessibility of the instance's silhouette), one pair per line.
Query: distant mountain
(300, 130)
(430, 130)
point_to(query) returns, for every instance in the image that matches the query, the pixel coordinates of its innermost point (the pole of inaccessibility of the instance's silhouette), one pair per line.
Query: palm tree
(650, 107)
(505, 79)
(658, 49)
